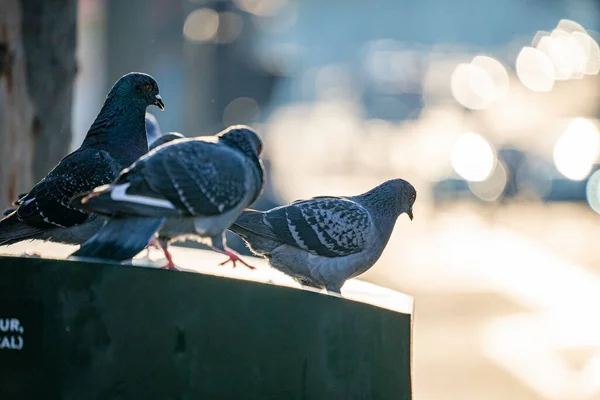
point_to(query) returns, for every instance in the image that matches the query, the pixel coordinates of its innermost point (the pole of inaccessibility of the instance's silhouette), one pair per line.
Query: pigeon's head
(166, 138)
(139, 86)
(244, 138)
(410, 196)
(402, 193)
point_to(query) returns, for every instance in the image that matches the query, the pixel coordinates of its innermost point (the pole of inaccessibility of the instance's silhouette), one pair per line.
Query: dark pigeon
(192, 187)
(324, 241)
(115, 140)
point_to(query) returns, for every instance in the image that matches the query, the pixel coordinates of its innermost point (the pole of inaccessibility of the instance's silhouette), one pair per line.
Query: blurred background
(490, 109)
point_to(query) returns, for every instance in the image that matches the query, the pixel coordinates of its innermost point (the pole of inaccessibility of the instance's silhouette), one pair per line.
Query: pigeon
(115, 140)
(166, 138)
(186, 188)
(323, 241)
(153, 131)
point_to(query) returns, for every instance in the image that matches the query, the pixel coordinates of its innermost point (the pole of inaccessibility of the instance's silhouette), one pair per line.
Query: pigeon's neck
(120, 129)
(260, 178)
(383, 206)
(256, 162)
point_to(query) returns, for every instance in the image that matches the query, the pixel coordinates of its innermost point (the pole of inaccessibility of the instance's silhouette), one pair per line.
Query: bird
(186, 188)
(323, 241)
(166, 138)
(116, 139)
(153, 130)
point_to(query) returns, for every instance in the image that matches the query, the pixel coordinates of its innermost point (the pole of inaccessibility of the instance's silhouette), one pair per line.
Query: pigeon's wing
(188, 177)
(198, 177)
(325, 226)
(47, 204)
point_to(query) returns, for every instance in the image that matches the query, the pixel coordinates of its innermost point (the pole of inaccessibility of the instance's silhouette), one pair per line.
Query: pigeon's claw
(234, 258)
(170, 264)
(152, 243)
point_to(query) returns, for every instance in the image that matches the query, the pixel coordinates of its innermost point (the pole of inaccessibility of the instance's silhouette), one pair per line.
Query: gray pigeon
(115, 140)
(153, 131)
(192, 187)
(324, 241)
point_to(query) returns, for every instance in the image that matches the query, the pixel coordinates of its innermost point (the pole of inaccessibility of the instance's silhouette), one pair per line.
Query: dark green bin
(78, 331)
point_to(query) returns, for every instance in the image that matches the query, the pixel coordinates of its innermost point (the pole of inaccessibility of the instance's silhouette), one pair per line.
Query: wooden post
(37, 74)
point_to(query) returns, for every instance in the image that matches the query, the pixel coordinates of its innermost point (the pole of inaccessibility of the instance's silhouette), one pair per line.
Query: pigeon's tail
(251, 227)
(82, 202)
(12, 230)
(120, 238)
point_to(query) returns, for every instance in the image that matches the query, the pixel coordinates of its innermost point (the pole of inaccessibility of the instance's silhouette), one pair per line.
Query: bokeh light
(263, 8)
(472, 86)
(242, 110)
(591, 51)
(286, 18)
(497, 73)
(577, 149)
(492, 187)
(565, 53)
(473, 157)
(201, 25)
(229, 27)
(535, 70)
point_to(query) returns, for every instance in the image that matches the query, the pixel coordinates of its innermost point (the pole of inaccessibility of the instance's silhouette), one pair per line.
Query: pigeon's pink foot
(170, 264)
(152, 243)
(234, 258)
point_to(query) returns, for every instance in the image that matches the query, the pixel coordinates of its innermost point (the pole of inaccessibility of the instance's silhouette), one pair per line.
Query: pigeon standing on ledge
(324, 241)
(115, 140)
(189, 188)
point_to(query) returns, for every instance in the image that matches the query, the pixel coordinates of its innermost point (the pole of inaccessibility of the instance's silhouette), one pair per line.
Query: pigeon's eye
(411, 197)
(148, 88)
(259, 148)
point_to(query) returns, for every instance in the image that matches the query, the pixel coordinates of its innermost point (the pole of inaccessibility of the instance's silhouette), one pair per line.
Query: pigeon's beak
(159, 103)
(410, 214)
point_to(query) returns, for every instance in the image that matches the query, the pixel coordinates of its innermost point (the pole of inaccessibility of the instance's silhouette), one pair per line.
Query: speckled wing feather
(47, 204)
(199, 178)
(325, 226)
